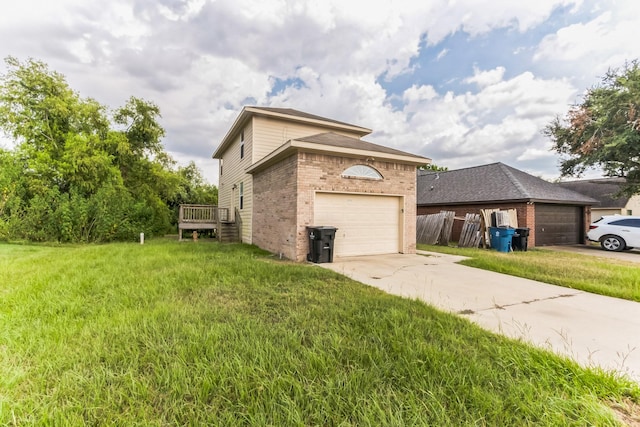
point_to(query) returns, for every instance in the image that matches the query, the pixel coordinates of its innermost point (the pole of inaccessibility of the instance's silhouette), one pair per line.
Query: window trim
(241, 196)
(360, 171)
(242, 144)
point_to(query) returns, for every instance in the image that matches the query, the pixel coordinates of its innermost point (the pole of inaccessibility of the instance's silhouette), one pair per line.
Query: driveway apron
(594, 330)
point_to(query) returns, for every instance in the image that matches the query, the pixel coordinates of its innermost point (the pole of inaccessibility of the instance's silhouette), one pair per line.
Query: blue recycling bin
(501, 238)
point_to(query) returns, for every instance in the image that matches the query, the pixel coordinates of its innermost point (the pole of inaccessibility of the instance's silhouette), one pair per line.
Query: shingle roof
(288, 114)
(495, 182)
(337, 140)
(296, 113)
(603, 190)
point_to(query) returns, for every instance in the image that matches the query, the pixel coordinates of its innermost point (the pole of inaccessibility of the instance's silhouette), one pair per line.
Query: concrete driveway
(594, 330)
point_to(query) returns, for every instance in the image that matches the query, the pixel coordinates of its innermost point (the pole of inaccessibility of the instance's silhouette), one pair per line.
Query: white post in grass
(142, 238)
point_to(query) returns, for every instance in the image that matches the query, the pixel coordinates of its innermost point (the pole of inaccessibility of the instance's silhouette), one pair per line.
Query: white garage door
(367, 225)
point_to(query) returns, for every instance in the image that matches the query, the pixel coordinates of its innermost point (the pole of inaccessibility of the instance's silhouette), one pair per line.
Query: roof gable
(338, 145)
(284, 114)
(301, 116)
(495, 182)
(342, 141)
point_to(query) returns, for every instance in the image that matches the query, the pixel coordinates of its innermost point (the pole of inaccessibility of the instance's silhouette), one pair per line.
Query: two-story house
(282, 170)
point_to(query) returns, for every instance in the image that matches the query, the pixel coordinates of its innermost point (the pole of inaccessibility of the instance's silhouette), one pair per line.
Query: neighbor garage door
(367, 224)
(558, 225)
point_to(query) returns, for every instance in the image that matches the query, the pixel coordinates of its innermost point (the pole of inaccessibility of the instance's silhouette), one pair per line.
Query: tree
(79, 173)
(604, 130)
(433, 167)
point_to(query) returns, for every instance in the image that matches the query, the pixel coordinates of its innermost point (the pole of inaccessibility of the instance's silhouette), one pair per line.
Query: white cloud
(415, 95)
(534, 153)
(486, 78)
(481, 16)
(579, 40)
(590, 48)
(201, 60)
(502, 122)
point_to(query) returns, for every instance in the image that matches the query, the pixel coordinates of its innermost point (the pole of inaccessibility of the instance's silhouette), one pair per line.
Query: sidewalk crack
(504, 306)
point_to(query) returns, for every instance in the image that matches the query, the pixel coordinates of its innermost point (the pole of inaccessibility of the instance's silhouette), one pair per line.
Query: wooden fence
(471, 234)
(435, 228)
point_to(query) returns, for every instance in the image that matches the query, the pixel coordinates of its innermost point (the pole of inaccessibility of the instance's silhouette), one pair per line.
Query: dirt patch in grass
(628, 412)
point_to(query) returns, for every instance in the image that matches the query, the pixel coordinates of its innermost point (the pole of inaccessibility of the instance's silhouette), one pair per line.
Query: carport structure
(554, 215)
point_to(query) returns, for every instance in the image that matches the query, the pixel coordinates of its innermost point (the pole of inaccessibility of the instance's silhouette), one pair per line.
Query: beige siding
(233, 173)
(632, 208)
(633, 205)
(272, 133)
(597, 213)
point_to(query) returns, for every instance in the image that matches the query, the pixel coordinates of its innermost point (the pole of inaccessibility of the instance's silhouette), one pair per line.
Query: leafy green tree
(194, 187)
(433, 167)
(79, 174)
(603, 131)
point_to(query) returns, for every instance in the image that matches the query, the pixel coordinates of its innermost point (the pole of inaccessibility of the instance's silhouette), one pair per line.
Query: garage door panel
(367, 224)
(558, 225)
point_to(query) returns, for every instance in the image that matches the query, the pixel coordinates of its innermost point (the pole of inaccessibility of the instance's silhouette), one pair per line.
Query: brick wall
(284, 197)
(586, 221)
(322, 173)
(525, 212)
(275, 208)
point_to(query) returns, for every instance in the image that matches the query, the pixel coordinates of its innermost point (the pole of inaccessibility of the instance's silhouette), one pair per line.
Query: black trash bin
(321, 243)
(520, 239)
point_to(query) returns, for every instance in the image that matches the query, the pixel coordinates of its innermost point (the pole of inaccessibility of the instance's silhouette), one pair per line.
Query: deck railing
(223, 215)
(203, 214)
(202, 217)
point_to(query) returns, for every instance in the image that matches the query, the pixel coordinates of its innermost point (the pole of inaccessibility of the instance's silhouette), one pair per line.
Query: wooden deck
(201, 217)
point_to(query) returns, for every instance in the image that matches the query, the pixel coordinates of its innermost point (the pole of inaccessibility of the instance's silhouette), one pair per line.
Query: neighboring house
(554, 215)
(282, 170)
(604, 190)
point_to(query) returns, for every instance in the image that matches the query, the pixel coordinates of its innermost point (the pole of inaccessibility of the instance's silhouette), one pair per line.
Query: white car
(616, 232)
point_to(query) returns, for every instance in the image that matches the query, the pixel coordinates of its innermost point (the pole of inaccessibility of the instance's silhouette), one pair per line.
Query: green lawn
(604, 276)
(188, 333)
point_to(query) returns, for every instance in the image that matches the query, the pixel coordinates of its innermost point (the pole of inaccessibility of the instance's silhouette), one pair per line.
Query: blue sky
(464, 82)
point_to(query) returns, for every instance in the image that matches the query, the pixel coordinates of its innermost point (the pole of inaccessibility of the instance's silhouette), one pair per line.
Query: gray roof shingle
(603, 190)
(337, 140)
(495, 182)
(296, 113)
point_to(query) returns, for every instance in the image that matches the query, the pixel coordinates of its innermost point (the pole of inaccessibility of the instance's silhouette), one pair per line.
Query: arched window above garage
(361, 171)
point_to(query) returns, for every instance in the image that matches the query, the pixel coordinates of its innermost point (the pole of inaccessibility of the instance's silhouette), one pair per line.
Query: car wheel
(612, 243)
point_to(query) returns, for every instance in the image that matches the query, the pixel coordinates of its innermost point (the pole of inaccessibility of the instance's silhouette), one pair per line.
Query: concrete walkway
(594, 330)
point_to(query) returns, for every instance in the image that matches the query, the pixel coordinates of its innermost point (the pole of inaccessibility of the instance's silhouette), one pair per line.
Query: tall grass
(207, 334)
(604, 276)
